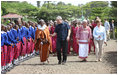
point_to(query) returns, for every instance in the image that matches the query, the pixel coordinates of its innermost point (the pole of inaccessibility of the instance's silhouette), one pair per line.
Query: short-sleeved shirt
(62, 31)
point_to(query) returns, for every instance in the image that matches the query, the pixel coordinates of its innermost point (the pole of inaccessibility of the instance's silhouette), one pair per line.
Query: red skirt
(23, 51)
(75, 45)
(28, 50)
(17, 50)
(54, 44)
(20, 43)
(10, 54)
(32, 44)
(2, 56)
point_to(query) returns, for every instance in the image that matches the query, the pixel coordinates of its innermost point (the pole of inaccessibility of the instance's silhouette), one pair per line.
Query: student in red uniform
(93, 23)
(9, 49)
(17, 46)
(28, 48)
(31, 32)
(3, 50)
(91, 40)
(33, 38)
(5, 42)
(52, 28)
(14, 38)
(69, 42)
(21, 41)
(74, 30)
(24, 32)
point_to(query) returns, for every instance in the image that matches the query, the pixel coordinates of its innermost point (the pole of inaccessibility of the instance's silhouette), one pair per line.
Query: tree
(38, 4)
(114, 4)
(95, 8)
(114, 10)
(22, 8)
(61, 3)
(50, 10)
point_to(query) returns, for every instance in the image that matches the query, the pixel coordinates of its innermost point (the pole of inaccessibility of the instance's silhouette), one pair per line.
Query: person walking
(83, 37)
(43, 41)
(107, 29)
(112, 28)
(62, 31)
(99, 35)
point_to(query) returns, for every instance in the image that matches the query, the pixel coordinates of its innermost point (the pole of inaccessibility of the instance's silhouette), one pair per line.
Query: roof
(12, 15)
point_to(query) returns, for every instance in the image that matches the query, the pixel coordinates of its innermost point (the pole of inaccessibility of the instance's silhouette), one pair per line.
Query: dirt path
(73, 65)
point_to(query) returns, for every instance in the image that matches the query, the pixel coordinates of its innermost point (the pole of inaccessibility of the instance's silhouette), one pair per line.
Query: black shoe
(37, 53)
(63, 62)
(9, 68)
(17, 63)
(3, 72)
(59, 62)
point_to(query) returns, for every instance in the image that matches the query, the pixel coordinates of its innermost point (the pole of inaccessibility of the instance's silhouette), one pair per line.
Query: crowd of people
(21, 40)
(17, 43)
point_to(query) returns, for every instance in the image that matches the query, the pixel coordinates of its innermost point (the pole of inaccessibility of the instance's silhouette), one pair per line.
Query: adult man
(112, 28)
(62, 31)
(107, 29)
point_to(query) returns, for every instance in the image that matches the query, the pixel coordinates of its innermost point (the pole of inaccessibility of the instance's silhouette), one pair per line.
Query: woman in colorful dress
(83, 36)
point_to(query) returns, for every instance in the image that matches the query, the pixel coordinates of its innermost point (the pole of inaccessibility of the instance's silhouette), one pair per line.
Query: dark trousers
(62, 44)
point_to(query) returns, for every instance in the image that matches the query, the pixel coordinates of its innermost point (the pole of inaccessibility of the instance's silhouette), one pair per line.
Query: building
(12, 16)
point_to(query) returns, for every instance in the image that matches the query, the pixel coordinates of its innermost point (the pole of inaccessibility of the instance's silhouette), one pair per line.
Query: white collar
(24, 26)
(8, 31)
(2, 32)
(30, 26)
(42, 27)
(99, 27)
(14, 29)
(106, 21)
(27, 28)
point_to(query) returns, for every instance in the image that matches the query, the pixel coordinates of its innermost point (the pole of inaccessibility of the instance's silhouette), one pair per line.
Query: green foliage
(116, 32)
(96, 8)
(114, 10)
(50, 10)
(111, 33)
(22, 8)
(114, 4)
(38, 3)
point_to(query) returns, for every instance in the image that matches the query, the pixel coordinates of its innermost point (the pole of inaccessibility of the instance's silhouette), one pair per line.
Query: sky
(73, 2)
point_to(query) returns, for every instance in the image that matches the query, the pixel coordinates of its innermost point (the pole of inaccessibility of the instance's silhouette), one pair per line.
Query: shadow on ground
(111, 58)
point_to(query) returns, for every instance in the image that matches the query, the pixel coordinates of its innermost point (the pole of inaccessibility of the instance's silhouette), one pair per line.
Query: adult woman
(99, 35)
(83, 36)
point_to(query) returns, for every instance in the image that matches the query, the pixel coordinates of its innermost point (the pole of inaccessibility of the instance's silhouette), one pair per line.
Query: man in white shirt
(107, 29)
